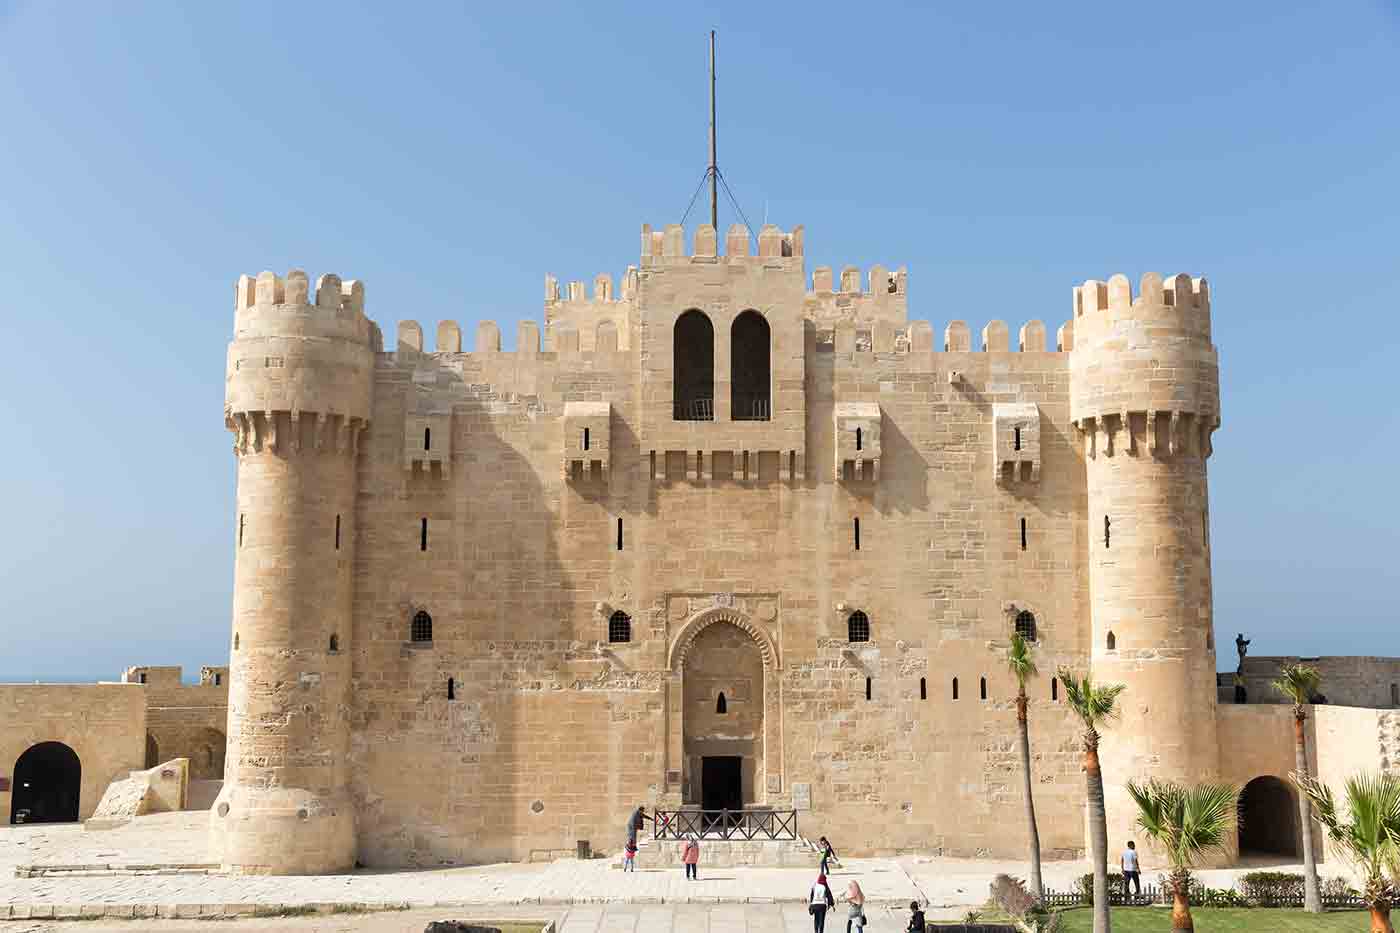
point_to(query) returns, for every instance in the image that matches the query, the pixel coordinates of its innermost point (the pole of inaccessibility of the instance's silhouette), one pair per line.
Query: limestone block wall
(1346, 680)
(185, 720)
(104, 725)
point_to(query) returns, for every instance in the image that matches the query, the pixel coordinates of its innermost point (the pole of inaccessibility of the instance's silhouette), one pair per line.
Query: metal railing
(695, 409)
(726, 824)
(750, 408)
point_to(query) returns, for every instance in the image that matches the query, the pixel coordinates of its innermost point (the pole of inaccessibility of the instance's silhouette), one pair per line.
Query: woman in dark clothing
(828, 854)
(819, 900)
(917, 923)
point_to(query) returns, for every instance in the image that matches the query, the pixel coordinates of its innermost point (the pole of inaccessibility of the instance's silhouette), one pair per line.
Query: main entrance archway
(723, 718)
(48, 779)
(1268, 818)
(725, 751)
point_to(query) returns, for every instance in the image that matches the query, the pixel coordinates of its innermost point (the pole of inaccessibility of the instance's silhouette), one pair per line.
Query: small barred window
(619, 628)
(422, 629)
(1025, 625)
(858, 627)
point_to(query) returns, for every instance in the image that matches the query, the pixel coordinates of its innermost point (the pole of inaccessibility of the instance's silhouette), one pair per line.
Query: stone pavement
(180, 837)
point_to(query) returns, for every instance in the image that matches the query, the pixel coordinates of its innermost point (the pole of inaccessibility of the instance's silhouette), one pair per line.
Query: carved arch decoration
(697, 623)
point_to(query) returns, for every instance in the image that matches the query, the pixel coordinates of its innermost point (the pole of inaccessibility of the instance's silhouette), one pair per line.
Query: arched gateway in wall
(47, 782)
(723, 737)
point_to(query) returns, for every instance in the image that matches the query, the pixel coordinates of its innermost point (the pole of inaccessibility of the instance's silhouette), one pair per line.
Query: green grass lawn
(1223, 920)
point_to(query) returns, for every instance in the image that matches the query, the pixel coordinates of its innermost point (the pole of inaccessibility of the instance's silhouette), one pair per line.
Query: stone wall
(1372, 682)
(104, 725)
(185, 720)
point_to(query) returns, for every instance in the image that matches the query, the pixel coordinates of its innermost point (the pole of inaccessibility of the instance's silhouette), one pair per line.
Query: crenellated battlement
(668, 244)
(880, 283)
(1178, 300)
(270, 289)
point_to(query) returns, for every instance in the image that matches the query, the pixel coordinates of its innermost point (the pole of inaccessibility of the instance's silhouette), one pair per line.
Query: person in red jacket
(691, 857)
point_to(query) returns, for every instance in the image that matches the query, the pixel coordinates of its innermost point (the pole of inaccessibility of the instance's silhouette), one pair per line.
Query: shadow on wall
(445, 728)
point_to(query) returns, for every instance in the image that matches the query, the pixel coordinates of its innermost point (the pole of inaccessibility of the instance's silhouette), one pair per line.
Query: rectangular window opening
(1106, 524)
(337, 532)
(867, 688)
(858, 439)
(427, 438)
(242, 520)
(423, 535)
(1023, 534)
(857, 533)
(585, 438)
(923, 688)
(1018, 439)
(984, 688)
(619, 533)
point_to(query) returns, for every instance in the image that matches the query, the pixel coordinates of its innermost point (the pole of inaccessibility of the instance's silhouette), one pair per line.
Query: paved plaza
(581, 896)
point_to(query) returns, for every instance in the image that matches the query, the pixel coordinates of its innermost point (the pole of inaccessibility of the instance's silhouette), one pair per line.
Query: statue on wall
(1242, 646)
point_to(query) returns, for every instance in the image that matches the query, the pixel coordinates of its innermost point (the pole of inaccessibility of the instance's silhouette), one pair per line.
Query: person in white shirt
(1131, 872)
(819, 899)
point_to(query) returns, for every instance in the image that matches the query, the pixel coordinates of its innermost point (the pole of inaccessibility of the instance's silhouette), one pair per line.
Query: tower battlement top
(269, 289)
(1180, 299)
(669, 243)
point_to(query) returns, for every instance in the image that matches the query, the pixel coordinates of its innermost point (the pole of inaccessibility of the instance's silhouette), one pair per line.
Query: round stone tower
(1145, 397)
(297, 396)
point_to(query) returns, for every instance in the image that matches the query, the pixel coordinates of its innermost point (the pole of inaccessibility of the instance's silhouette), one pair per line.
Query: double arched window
(693, 368)
(858, 627)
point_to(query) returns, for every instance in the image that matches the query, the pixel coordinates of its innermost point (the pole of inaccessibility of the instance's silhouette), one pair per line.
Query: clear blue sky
(150, 153)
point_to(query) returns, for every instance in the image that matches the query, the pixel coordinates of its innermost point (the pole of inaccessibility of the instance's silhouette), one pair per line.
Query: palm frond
(1092, 704)
(1369, 832)
(1020, 659)
(1298, 682)
(1187, 821)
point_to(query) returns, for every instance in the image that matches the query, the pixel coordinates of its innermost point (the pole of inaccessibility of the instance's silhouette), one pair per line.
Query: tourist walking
(819, 900)
(917, 923)
(691, 857)
(828, 854)
(855, 908)
(1131, 872)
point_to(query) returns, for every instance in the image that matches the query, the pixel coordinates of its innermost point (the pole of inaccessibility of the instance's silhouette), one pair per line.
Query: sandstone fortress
(725, 537)
(718, 536)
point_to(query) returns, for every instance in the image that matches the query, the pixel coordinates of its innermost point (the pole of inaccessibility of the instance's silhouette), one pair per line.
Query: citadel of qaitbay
(719, 536)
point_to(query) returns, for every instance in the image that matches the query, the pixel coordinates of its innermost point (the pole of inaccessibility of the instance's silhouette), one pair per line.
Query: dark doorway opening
(1268, 818)
(722, 782)
(47, 779)
(693, 367)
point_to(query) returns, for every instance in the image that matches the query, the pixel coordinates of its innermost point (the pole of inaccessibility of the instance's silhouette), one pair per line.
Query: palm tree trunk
(1312, 897)
(1022, 720)
(1181, 901)
(1098, 831)
(1181, 911)
(1380, 920)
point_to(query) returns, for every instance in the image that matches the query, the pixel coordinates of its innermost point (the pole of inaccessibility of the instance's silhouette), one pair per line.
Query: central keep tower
(1145, 396)
(298, 388)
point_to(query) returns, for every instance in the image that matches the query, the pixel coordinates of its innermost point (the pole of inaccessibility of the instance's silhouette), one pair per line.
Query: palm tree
(1299, 683)
(1187, 822)
(1094, 706)
(1370, 837)
(1022, 665)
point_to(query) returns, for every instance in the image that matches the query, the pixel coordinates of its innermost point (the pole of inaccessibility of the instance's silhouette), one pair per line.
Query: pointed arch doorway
(723, 737)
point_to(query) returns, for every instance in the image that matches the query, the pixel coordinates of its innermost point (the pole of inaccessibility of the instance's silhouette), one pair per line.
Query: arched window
(955, 688)
(720, 706)
(1025, 624)
(335, 642)
(923, 688)
(1054, 688)
(619, 628)
(422, 629)
(750, 373)
(858, 627)
(693, 368)
(1112, 642)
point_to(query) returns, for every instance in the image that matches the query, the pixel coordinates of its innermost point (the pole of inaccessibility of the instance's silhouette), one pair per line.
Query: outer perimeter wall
(519, 729)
